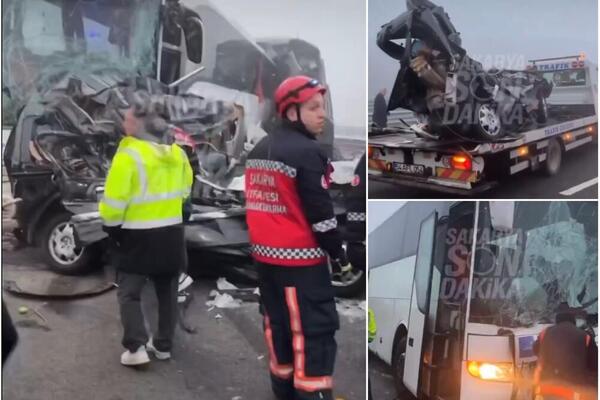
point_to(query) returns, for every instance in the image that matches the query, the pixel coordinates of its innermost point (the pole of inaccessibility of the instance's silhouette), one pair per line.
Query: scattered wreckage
(451, 91)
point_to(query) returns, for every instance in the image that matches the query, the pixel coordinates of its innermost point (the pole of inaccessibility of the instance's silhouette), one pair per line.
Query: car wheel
(398, 358)
(349, 283)
(488, 125)
(60, 251)
(553, 157)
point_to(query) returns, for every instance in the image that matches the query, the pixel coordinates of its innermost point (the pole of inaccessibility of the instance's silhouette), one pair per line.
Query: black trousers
(300, 320)
(132, 318)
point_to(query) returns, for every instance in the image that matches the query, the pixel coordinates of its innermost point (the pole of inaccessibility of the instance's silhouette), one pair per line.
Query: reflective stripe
(112, 223)
(301, 381)
(325, 226)
(288, 253)
(271, 165)
(149, 198)
(140, 166)
(356, 216)
(313, 385)
(156, 223)
(118, 204)
(283, 371)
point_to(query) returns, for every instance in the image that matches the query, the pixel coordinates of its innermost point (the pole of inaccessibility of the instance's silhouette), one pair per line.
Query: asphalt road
(575, 180)
(382, 383)
(75, 353)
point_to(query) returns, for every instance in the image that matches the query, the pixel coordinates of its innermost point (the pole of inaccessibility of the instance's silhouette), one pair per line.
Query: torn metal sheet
(43, 283)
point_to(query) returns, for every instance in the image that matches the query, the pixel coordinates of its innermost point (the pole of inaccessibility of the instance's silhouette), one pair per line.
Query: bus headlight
(502, 372)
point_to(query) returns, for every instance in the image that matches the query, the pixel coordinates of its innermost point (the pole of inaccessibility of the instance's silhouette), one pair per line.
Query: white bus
(460, 292)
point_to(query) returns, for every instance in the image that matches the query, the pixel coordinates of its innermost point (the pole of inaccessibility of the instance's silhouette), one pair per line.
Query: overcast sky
(338, 28)
(517, 30)
(379, 211)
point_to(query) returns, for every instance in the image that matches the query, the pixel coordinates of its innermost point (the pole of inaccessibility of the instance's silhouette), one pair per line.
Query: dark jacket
(288, 208)
(158, 251)
(380, 111)
(567, 354)
(356, 203)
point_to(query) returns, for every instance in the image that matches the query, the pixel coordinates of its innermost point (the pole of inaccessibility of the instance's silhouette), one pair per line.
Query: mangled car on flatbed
(475, 125)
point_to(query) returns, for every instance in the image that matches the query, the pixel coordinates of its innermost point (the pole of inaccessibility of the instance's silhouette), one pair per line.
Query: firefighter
(146, 186)
(567, 361)
(292, 229)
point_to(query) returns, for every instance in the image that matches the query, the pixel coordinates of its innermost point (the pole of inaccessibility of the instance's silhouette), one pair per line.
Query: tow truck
(409, 156)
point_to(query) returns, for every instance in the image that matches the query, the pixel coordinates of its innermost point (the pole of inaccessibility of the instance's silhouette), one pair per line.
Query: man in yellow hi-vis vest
(146, 186)
(372, 331)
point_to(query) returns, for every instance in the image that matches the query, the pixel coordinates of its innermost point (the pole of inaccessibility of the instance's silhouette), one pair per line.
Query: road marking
(579, 188)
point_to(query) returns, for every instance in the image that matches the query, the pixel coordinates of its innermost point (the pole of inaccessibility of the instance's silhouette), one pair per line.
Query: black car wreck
(454, 94)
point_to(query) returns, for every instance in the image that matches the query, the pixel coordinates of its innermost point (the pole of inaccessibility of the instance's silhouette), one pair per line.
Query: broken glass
(45, 40)
(549, 258)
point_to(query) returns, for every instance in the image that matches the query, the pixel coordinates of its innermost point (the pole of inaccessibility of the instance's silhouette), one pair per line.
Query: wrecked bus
(461, 291)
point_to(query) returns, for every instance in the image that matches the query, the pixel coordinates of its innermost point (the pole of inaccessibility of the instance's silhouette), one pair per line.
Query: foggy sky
(515, 29)
(338, 28)
(379, 211)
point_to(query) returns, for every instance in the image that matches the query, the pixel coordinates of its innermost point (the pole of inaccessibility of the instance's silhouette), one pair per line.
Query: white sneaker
(184, 282)
(138, 358)
(161, 355)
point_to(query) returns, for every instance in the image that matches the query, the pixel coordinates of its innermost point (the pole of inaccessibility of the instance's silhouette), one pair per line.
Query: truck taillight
(461, 161)
(371, 151)
(502, 372)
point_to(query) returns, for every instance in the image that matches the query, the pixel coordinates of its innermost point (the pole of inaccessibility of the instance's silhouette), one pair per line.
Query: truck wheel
(488, 125)
(57, 241)
(553, 157)
(398, 358)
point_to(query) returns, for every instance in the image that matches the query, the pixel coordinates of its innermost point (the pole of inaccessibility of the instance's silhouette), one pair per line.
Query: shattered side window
(45, 40)
(548, 258)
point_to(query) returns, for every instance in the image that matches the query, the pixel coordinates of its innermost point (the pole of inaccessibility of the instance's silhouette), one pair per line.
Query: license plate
(410, 169)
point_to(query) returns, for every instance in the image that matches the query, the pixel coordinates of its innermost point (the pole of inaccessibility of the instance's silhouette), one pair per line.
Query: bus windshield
(546, 259)
(46, 40)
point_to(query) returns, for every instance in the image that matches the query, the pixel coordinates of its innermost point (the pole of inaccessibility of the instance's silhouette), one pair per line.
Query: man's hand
(115, 233)
(341, 263)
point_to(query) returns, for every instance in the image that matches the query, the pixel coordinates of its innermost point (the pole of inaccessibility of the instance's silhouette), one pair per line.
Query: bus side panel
(389, 297)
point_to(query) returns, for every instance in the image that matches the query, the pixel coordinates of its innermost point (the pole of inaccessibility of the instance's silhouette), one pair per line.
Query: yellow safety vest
(372, 326)
(146, 185)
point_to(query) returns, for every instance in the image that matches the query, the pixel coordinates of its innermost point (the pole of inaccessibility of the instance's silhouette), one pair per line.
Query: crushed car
(449, 91)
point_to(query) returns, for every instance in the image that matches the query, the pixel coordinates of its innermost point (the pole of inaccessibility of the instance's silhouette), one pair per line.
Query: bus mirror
(192, 28)
(502, 215)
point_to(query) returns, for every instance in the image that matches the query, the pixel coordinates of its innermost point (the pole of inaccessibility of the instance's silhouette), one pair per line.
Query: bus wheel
(398, 358)
(553, 157)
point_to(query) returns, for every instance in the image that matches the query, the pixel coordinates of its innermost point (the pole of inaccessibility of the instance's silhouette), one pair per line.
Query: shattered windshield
(548, 257)
(45, 40)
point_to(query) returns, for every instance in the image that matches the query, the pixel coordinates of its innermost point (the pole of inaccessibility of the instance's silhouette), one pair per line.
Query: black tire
(398, 357)
(553, 157)
(353, 289)
(487, 123)
(56, 244)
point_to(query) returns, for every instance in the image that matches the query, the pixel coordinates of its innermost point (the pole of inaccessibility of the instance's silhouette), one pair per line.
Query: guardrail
(394, 117)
